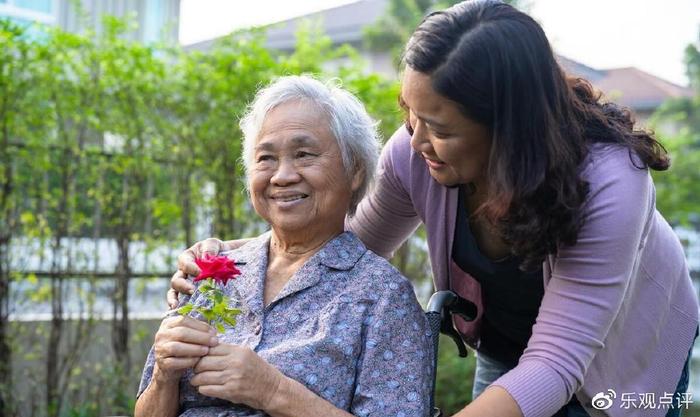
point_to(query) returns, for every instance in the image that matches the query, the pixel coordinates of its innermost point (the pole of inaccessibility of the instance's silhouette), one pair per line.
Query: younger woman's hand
(187, 266)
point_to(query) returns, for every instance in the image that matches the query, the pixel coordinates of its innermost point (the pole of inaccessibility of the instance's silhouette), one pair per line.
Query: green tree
(678, 189)
(70, 76)
(131, 80)
(391, 31)
(21, 126)
(116, 141)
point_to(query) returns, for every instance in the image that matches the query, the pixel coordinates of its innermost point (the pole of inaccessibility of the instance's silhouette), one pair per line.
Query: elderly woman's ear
(357, 179)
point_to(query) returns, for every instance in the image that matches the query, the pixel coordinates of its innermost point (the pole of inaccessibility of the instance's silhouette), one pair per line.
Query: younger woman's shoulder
(608, 164)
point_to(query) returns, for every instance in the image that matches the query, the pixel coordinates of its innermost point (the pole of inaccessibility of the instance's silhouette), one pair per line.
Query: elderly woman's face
(297, 181)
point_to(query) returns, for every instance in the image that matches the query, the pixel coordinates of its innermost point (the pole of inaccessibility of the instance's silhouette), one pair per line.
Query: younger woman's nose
(419, 142)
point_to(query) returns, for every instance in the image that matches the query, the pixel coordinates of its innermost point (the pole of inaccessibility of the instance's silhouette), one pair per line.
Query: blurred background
(120, 147)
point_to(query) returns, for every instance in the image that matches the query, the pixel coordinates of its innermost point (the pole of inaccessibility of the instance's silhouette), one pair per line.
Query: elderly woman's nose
(286, 173)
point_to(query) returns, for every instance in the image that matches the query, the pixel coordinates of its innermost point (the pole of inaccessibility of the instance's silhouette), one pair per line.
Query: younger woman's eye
(407, 124)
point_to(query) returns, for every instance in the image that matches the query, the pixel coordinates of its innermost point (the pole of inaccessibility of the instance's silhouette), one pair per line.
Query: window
(154, 21)
(43, 6)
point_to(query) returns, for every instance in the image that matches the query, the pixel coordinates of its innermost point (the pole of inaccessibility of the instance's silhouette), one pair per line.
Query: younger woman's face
(455, 148)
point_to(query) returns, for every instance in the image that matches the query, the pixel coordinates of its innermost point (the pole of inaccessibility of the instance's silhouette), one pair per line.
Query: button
(257, 329)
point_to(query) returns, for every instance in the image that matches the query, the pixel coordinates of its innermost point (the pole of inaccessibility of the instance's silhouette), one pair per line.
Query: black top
(511, 297)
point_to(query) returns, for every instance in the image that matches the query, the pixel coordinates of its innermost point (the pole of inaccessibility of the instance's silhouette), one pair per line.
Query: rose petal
(220, 268)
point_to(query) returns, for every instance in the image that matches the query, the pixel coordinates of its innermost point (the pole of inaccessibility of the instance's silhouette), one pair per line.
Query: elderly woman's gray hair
(353, 129)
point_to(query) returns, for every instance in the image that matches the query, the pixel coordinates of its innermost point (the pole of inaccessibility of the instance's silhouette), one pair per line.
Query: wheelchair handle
(449, 302)
(446, 303)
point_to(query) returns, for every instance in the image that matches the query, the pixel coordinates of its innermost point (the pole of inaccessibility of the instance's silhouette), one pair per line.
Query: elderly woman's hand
(237, 374)
(180, 342)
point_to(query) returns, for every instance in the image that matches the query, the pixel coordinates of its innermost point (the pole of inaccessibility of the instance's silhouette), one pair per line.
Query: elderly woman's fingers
(186, 335)
(215, 363)
(177, 364)
(216, 391)
(180, 350)
(189, 322)
(186, 329)
(208, 378)
(226, 349)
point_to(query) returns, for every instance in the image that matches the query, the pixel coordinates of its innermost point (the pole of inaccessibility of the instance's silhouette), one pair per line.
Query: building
(157, 20)
(632, 87)
(343, 24)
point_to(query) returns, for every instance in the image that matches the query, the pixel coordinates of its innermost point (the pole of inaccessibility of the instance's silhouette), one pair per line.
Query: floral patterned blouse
(347, 325)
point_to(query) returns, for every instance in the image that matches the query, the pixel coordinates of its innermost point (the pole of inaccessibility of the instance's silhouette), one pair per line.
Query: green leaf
(207, 313)
(233, 311)
(185, 310)
(219, 327)
(219, 309)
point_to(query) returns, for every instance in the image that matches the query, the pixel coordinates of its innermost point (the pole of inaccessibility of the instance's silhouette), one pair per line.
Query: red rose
(220, 268)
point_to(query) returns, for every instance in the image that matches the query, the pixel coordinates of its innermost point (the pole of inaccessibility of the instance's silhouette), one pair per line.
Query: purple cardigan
(619, 310)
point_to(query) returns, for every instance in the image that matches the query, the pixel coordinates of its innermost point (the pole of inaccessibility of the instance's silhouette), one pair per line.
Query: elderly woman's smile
(298, 182)
(287, 197)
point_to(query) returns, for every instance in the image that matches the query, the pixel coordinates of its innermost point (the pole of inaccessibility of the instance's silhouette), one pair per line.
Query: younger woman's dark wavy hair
(496, 63)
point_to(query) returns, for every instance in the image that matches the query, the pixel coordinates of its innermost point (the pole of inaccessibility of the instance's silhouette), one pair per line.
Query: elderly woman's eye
(262, 158)
(304, 154)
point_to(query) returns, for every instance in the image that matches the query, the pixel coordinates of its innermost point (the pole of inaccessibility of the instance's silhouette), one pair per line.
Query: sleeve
(394, 372)
(586, 289)
(147, 372)
(386, 217)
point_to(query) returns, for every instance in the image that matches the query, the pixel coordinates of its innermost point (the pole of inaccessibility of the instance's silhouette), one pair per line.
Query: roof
(639, 90)
(630, 86)
(343, 24)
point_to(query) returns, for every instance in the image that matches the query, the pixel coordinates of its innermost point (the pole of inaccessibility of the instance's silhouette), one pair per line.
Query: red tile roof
(628, 86)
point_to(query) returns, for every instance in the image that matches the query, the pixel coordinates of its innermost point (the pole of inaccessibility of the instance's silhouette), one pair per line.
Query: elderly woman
(327, 328)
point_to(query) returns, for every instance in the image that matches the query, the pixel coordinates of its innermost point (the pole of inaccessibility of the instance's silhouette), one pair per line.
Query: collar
(340, 253)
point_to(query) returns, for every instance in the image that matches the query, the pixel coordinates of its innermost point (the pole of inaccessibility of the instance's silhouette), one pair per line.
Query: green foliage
(379, 95)
(101, 137)
(217, 312)
(455, 377)
(678, 189)
(392, 31)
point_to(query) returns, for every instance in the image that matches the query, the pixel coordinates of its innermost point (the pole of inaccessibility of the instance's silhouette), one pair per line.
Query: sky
(648, 34)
